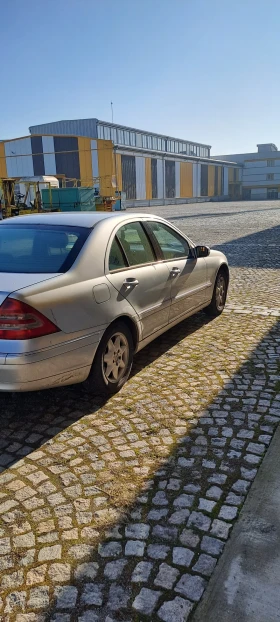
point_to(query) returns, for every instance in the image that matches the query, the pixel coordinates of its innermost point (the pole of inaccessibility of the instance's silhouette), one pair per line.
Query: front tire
(112, 362)
(219, 297)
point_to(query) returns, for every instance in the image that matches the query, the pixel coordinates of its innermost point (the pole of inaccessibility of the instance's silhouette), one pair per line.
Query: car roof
(79, 219)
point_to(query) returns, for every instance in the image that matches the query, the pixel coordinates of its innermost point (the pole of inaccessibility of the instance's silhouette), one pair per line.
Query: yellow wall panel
(211, 180)
(186, 179)
(119, 171)
(219, 180)
(106, 166)
(230, 174)
(85, 161)
(148, 167)
(3, 167)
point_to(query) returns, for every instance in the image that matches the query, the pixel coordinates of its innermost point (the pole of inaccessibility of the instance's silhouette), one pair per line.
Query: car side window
(172, 245)
(135, 244)
(116, 258)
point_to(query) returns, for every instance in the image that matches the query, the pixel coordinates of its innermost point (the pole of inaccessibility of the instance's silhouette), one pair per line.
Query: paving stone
(179, 518)
(138, 531)
(146, 601)
(205, 565)
(110, 549)
(142, 572)
(191, 586)
(66, 597)
(206, 505)
(88, 570)
(92, 594)
(38, 597)
(118, 597)
(177, 610)
(158, 551)
(211, 545)
(59, 573)
(199, 520)
(189, 538)
(184, 501)
(156, 515)
(241, 486)
(169, 534)
(227, 512)
(166, 576)
(182, 556)
(113, 570)
(214, 492)
(134, 547)
(48, 553)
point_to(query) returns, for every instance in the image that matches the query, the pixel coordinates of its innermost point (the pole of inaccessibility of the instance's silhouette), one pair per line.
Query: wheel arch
(131, 325)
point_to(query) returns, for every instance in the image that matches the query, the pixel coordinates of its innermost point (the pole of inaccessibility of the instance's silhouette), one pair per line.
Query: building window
(272, 193)
(144, 141)
(270, 162)
(149, 142)
(132, 139)
(270, 176)
(126, 137)
(168, 145)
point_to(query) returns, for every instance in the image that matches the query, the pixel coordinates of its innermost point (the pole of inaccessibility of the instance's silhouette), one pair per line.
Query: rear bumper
(47, 369)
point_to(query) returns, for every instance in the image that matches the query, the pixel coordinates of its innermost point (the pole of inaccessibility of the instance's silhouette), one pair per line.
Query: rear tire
(219, 297)
(112, 362)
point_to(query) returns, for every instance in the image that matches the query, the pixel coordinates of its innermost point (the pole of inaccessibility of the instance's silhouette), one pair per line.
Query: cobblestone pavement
(120, 510)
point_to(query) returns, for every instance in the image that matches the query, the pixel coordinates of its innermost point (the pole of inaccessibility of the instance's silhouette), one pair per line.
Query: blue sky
(204, 70)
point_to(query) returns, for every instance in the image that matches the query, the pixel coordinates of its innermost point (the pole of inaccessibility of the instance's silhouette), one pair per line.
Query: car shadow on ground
(180, 463)
(28, 420)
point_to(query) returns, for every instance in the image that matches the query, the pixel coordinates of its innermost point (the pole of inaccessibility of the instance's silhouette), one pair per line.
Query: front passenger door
(187, 273)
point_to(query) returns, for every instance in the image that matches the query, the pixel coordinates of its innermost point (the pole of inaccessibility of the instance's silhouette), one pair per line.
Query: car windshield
(37, 249)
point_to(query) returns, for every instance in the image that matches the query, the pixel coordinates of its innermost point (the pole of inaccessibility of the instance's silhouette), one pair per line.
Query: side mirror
(202, 251)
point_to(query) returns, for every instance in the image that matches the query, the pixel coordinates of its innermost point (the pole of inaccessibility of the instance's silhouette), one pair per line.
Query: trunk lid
(11, 282)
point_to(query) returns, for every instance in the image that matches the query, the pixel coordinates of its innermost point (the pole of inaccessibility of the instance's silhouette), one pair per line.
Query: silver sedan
(80, 293)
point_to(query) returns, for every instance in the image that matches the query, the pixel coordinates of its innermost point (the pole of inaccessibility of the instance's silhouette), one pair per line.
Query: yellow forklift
(14, 203)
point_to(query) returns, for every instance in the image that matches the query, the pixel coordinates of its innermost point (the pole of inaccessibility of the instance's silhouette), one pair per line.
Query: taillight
(20, 321)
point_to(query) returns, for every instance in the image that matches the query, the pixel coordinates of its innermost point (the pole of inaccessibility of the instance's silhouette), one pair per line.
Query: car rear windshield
(37, 249)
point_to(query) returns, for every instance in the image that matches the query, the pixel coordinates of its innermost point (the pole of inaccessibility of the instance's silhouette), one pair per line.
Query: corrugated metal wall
(204, 180)
(75, 127)
(225, 169)
(170, 183)
(37, 155)
(186, 179)
(129, 176)
(211, 181)
(148, 167)
(140, 177)
(160, 179)
(154, 178)
(19, 158)
(3, 167)
(84, 146)
(67, 157)
(177, 179)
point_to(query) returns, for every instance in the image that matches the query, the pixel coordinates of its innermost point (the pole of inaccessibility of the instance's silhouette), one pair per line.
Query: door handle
(130, 283)
(175, 271)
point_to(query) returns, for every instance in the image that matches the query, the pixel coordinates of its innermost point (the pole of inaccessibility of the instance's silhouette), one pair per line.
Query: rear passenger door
(132, 267)
(187, 272)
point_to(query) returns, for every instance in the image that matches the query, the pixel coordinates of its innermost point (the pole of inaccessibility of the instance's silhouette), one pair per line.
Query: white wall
(196, 179)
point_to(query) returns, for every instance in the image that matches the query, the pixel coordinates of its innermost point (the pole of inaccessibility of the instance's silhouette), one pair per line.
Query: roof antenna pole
(112, 112)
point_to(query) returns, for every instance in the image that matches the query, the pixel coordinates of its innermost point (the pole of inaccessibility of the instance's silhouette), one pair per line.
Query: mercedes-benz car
(81, 293)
